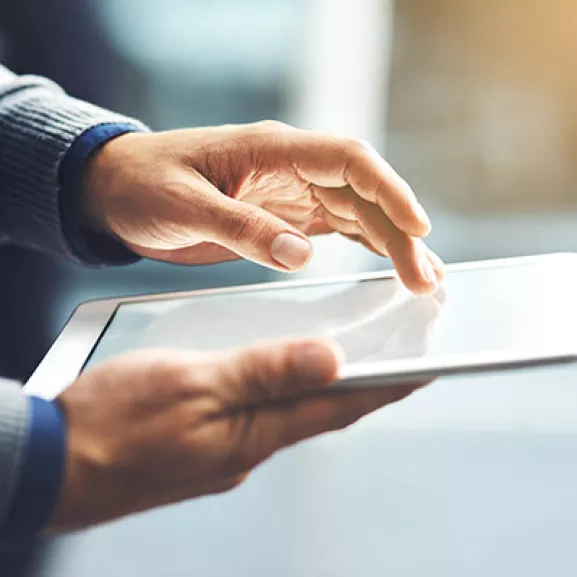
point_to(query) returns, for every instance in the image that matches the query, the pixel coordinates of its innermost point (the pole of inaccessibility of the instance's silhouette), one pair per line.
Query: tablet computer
(490, 315)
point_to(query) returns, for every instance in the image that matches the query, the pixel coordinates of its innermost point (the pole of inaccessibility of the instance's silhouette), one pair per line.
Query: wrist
(97, 181)
(74, 478)
(82, 179)
(84, 495)
(70, 502)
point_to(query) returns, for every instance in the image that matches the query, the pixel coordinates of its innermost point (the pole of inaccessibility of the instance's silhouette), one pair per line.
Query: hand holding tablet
(153, 428)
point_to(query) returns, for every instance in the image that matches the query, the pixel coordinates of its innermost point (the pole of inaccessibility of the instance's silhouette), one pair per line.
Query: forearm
(39, 126)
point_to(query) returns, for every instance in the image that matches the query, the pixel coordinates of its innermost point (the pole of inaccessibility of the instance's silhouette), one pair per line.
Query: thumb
(274, 370)
(255, 234)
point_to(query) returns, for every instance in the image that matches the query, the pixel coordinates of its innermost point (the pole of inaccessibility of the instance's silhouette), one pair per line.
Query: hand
(254, 191)
(157, 427)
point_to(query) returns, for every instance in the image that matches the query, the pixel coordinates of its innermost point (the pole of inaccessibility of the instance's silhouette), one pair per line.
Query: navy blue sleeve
(41, 474)
(91, 247)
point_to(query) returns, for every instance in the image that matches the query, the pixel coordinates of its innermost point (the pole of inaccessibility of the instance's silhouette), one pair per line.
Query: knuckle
(358, 146)
(355, 210)
(266, 135)
(382, 190)
(271, 126)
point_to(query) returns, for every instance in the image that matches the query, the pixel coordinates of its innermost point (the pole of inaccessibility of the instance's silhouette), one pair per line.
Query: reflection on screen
(374, 320)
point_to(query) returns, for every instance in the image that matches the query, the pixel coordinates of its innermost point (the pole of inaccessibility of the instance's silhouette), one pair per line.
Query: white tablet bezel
(67, 356)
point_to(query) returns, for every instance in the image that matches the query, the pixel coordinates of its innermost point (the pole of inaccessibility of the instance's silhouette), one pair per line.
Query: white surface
(510, 311)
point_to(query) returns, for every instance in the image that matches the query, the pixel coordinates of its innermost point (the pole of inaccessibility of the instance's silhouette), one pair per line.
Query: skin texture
(213, 194)
(178, 425)
(160, 426)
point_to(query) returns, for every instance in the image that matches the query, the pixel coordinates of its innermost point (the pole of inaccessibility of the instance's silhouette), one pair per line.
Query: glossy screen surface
(528, 307)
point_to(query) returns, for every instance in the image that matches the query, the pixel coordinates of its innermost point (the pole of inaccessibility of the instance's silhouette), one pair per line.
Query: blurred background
(473, 102)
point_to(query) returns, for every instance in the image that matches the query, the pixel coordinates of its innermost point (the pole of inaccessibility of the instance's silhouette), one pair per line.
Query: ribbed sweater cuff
(89, 246)
(14, 409)
(38, 125)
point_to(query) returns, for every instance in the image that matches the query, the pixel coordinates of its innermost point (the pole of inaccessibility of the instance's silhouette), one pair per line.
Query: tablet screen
(521, 307)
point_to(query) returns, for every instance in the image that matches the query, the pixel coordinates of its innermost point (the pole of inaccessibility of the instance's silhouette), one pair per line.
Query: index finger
(331, 161)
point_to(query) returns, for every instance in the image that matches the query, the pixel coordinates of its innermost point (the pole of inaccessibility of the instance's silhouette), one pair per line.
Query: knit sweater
(45, 137)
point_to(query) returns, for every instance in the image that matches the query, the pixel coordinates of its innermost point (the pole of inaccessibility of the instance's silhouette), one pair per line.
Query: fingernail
(428, 272)
(290, 250)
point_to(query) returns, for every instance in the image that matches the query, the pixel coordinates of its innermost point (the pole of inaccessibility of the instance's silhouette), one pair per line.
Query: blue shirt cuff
(41, 475)
(90, 246)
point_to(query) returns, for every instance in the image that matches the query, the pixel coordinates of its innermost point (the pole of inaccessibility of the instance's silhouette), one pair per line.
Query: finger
(274, 370)
(281, 426)
(415, 269)
(345, 205)
(317, 227)
(294, 210)
(255, 234)
(408, 254)
(339, 201)
(437, 264)
(335, 162)
(405, 277)
(341, 225)
(362, 240)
